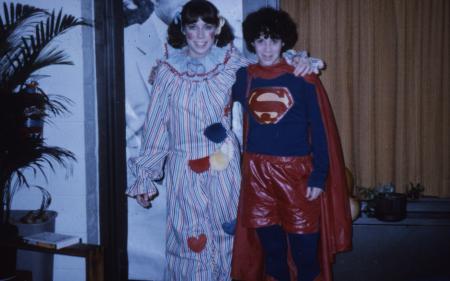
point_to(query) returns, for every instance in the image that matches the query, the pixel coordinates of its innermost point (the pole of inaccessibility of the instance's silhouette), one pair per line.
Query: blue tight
(303, 250)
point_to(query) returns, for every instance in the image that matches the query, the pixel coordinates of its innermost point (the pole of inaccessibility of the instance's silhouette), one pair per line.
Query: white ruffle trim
(184, 64)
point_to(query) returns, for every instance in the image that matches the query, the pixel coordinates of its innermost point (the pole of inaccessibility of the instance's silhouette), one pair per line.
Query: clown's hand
(143, 200)
(303, 64)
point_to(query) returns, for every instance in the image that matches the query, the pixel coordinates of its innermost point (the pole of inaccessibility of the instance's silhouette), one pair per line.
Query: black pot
(8, 253)
(390, 206)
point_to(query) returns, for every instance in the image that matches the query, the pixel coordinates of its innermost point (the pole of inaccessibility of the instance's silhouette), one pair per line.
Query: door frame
(111, 136)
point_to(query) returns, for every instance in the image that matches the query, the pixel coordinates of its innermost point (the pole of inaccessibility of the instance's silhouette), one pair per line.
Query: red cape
(335, 221)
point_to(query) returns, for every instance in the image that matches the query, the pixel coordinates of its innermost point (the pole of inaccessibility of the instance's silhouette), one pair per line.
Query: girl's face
(200, 37)
(267, 50)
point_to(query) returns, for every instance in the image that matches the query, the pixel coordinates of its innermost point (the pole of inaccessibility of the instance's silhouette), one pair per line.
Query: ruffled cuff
(142, 185)
(315, 63)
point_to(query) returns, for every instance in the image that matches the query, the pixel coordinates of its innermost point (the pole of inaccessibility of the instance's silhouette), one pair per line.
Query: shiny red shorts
(274, 192)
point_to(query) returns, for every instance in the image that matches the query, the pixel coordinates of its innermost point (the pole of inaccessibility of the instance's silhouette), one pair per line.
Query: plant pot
(390, 206)
(41, 264)
(8, 234)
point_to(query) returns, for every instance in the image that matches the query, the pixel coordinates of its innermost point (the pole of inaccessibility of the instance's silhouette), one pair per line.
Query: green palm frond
(40, 214)
(39, 157)
(35, 53)
(57, 104)
(15, 15)
(13, 19)
(27, 46)
(16, 22)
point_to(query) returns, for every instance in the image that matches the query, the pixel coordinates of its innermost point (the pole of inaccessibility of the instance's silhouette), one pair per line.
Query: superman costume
(280, 111)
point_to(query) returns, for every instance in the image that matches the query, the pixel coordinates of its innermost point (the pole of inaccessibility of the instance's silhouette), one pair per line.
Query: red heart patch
(197, 244)
(199, 165)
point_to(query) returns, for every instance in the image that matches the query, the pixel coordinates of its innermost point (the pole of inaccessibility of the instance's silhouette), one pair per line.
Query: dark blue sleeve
(239, 86)
(319, 146)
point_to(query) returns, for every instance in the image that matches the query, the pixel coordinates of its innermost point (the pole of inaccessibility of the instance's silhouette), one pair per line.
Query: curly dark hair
(191, 12)
(270, 23)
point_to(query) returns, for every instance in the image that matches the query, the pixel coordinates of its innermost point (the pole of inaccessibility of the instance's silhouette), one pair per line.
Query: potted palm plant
(26, 36)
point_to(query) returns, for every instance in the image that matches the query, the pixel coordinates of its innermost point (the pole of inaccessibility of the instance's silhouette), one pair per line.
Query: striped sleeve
(148, 166)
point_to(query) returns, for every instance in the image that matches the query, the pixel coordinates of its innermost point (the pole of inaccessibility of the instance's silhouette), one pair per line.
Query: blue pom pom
(215, 132)
(229, 227)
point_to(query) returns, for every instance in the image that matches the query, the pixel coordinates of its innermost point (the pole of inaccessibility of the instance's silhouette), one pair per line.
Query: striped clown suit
(201, 174)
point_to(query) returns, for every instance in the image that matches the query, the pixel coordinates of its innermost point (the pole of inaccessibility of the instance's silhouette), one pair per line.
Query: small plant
(365, 193)
(415, 191)
(366, 196)
(369, 193)
(26, 37)
(385, 188)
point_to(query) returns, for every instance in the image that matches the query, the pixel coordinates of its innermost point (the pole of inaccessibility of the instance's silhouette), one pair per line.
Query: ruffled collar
(270, 72)
(184, 65)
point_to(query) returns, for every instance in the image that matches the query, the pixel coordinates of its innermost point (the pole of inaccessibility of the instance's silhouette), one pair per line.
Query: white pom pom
(219, 161)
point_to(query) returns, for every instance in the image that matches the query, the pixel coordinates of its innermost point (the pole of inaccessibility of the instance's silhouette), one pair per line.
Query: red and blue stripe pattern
(198, 204)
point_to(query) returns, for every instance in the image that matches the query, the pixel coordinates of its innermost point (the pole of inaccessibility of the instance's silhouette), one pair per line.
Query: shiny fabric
(274, 192)
(335, 220)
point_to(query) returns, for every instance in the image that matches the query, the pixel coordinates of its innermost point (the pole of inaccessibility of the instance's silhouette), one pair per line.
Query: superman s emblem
(269, 105)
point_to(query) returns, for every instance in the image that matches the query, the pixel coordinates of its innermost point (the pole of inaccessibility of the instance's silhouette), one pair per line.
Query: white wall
(73, 196)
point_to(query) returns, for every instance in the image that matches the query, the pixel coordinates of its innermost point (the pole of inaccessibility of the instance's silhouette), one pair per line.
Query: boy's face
(267, 50)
